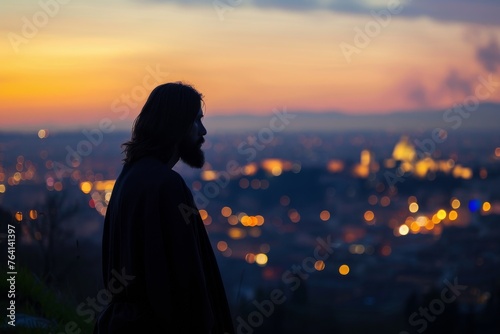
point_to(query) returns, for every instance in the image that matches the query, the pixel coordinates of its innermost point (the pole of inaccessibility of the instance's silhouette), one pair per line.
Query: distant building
(366, 166)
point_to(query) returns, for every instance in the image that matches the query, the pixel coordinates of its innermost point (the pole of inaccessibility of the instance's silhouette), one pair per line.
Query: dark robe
(157, 259)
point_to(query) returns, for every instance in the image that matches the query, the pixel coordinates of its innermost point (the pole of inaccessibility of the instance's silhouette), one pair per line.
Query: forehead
(200, 113)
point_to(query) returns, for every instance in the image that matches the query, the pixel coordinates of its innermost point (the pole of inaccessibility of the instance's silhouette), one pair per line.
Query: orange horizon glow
(78, 68)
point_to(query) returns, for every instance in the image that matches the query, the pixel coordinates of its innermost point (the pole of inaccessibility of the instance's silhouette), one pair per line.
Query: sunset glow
(90, 58)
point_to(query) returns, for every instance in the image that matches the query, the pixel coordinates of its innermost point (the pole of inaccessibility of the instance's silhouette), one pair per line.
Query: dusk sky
(69, 64)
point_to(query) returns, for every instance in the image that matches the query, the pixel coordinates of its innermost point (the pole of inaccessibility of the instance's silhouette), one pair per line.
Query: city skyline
(398, 222)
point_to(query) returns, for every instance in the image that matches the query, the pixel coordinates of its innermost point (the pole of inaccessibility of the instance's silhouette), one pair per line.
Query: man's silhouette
(158, 263)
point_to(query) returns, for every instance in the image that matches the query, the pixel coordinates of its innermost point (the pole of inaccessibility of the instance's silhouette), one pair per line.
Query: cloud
(457, 85)
(486, 12)
(454, 86)
(417, 94)
(489, 55)
(355, 6)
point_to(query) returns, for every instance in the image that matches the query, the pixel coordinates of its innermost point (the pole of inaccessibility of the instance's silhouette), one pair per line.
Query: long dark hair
(167, 116)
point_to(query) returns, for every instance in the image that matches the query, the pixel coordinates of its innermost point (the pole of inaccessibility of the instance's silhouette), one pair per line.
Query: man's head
(169, 124)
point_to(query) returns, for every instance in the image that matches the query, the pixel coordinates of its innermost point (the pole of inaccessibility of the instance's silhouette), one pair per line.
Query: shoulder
(152, 173)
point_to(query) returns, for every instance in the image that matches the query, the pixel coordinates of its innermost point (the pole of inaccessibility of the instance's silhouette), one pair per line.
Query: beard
(190, 152)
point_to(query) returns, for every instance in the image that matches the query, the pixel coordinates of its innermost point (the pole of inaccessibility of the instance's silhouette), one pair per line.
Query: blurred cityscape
(315, 232)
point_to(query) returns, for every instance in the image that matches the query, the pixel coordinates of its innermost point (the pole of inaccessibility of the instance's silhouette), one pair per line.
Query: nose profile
(203, 130)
